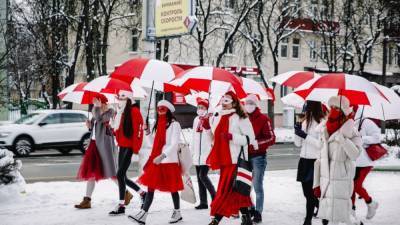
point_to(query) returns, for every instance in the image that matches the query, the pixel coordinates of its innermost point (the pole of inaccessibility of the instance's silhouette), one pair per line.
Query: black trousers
(150, 196)
(311, 201)
(124, 161)
(204, 184)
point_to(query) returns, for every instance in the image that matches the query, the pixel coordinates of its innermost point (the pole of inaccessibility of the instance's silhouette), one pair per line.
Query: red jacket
(135, 141)
(263, 131)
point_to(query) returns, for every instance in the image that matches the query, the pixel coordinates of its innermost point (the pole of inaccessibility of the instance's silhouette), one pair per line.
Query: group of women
(333, 160)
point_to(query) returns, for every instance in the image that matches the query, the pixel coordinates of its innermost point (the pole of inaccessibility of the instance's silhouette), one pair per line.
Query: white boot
(372, 207)
(139, 218)
(176, 216)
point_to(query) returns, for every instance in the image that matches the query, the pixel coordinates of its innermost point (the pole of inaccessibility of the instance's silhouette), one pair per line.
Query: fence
(15, 114)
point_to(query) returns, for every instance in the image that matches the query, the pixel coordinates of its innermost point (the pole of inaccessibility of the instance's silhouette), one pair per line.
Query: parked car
(63, 130)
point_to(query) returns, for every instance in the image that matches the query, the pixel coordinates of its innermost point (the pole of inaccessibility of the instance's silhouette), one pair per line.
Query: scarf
(160, 137)
(220, 154)
(336, 119)
(200, 126)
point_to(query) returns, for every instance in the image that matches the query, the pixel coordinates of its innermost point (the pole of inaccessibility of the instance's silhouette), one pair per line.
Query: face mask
(335, 114)
(162, 110)
(201, 112)
(122, 103)
(250, 108)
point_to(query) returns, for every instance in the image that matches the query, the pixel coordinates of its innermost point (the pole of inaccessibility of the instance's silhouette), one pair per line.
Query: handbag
(185, 156)
(187, 194)
(243, 177)
(376, 151)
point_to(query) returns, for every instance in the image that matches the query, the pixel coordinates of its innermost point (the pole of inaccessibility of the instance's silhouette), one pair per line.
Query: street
(50, 165)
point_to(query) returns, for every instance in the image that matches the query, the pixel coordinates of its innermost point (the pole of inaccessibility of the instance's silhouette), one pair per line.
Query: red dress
(164, 177)
(227, 202)
(91, 167)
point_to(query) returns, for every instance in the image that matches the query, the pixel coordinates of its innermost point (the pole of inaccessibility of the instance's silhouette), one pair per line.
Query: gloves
(157, 160)
(227, 136)
(317, 192)
(299, 132)
(205, 122)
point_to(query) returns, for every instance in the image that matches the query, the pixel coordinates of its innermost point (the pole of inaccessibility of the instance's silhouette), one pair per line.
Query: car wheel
(64, 151)
(85, 143)
(23, 146)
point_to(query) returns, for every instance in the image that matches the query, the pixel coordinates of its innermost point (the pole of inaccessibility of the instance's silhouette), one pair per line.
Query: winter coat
(200, 151)
(370, 134)
(335, 169)
(239, 128)
(135, 141)
(310, 146)
(263, 131)
(171, 147)
(104, 140)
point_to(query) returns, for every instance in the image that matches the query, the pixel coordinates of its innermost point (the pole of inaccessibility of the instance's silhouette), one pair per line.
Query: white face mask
(201, 112)
(250, 108)
(122, 103)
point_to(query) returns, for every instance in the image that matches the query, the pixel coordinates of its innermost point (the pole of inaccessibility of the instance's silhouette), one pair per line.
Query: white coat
(334, 171)
(370, 134)
(311, 146)
(239, 128)
(200, 151)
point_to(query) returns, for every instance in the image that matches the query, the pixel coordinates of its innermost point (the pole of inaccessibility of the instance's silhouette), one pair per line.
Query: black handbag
(243, 177)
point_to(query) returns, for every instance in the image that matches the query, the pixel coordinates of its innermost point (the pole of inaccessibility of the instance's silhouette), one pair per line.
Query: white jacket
(239, 128)
(334, 171)
(311, 146)
(171, 147)
(370, 134)
(200, 151)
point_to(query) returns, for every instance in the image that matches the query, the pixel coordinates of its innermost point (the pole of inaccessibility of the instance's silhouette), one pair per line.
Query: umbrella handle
(148, 108)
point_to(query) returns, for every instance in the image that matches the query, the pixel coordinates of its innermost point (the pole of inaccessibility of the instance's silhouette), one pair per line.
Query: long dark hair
(314, 111)
(170, 118)
(239, 109)
(127, 123)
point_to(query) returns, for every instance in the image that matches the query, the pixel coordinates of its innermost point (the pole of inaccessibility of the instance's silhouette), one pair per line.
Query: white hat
(166, 104)
(341, 102)
(253, 98)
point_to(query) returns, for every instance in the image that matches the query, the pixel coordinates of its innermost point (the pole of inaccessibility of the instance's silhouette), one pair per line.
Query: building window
(230, 44)
(135, 40)
(284, 91)
(324, 52)
(369, 56)
(230, 4)
(390, 55)
(324, 12)
(313, 51)
(284, 48)
(398, 55)
(296, 48)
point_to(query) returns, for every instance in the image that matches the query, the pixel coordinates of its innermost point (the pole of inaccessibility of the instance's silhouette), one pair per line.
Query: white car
(63, 130)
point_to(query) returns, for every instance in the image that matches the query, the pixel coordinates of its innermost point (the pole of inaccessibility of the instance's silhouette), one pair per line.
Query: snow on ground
(52, 203)
(391, 161)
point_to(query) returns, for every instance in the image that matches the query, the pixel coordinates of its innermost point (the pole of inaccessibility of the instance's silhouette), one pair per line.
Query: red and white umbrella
(209, 79)
(76, 94)
(294, 78)
(105, 84)
(251, 86)
(357, 89)
(149, 72)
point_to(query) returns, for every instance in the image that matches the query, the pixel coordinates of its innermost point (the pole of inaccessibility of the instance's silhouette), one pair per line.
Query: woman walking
(307, 137)
(128, 126)
(201, 146)
(230, 127)
(335, 169)
(162, 171)
(99, 161)
(265, 138)
(370, 134)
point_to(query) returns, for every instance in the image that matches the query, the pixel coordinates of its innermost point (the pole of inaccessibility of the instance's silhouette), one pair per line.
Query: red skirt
(91, 167)
(227, 202)
(163, 177)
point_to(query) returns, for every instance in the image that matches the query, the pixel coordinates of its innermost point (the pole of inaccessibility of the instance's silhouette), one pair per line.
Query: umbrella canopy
(209, 79)
(76, 94)
(213, 99)
(148, 72)
(357, 89)
(251, 86)
(294, 78)
(105, 84)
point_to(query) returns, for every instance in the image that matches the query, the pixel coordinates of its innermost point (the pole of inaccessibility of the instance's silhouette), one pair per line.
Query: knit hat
(253, 98)
(342, 102)
(202, 101)
(166, 104)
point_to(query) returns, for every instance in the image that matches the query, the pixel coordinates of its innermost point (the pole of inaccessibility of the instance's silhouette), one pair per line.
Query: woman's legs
(175, 200)
(311, 200)
(202, 189)
(203, 174)
(90, 188)
(148, 200)
(124, 161)
(358, 184)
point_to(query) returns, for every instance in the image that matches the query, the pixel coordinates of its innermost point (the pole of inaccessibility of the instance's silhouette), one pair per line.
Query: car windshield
(29, 119)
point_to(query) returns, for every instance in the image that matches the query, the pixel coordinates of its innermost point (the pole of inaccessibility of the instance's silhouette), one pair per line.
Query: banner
(172, 18)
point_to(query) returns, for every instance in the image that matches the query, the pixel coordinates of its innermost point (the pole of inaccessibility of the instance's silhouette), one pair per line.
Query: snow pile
(391, 160)
(284, 135)
(11, 181)
(52, 203)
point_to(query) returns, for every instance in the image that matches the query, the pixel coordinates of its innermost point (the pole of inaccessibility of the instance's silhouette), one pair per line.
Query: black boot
(325, 222)
(142, 198)
(120, 210)
(307, 222)
(214, 222)
(246, 220)
(201, 206)
(257, 218)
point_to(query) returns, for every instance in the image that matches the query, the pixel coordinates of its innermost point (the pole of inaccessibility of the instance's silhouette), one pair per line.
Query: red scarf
(335, 121)
(160, 138)
(220, 154)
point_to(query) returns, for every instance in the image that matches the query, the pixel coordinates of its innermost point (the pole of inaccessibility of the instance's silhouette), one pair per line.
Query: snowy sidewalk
(52, 203)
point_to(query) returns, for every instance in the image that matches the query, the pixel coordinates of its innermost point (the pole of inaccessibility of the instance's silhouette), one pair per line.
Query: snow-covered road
(52, 203)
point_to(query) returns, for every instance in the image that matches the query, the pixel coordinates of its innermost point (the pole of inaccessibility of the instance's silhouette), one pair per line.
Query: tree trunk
(166, 50)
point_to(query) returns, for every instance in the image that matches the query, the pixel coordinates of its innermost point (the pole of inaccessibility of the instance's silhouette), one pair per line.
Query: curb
(387, 169)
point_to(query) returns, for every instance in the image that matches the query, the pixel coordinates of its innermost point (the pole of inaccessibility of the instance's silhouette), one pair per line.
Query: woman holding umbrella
(99, 161)
(162, 171)
(335, 168)
(230, 127)
(128, 127)
(307, 138)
